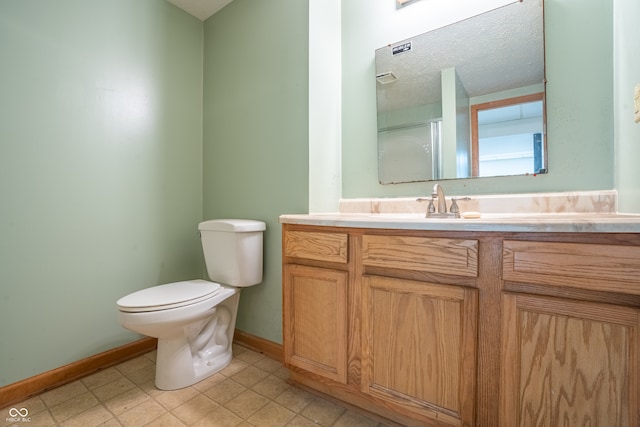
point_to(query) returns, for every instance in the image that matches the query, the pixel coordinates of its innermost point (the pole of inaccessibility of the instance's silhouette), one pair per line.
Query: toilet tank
(233, 250)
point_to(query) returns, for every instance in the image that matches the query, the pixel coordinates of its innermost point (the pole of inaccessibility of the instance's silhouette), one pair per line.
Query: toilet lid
(171, 295)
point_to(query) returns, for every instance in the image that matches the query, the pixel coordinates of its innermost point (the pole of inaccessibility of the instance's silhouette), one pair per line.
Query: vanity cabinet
(418, 347)
(571, 359)
(419, 335)
(466, 328)
(381, 320)
(315, 304)
(315, 301)
(569, 362)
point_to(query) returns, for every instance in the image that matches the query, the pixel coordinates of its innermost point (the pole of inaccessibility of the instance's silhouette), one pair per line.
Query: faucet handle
(454, 204)
(431, 208)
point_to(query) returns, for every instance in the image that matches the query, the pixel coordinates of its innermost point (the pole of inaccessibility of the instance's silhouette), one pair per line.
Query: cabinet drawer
(611, 268)
(434, 255)
(316, 246)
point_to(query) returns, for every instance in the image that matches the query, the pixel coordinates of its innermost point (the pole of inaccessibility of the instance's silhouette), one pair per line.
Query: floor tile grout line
(126, 376)
(244, 360)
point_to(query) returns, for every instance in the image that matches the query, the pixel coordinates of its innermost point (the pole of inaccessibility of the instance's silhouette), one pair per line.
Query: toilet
(194, 320)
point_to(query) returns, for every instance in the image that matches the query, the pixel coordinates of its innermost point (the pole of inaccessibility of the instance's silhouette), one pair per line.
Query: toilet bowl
(194, 320)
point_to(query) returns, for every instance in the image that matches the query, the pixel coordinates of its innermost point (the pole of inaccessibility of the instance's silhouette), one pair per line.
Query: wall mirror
(465, 100)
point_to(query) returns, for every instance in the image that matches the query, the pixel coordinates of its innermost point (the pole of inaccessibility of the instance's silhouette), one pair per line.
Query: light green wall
(256, 133)
(627, 76)
(108, 158)
(579, 65)
(100, 170)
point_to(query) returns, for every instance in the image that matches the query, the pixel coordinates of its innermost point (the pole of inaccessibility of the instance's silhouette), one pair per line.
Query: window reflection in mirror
(507, 137)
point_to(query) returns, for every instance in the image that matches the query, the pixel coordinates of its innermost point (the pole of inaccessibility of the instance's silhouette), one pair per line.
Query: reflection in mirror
(466, 100)
(506, 136)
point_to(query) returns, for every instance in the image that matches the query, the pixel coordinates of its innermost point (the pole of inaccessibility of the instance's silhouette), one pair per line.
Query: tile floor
(251, 391)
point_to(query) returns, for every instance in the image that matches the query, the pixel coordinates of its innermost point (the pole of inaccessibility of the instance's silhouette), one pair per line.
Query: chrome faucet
(438, 193)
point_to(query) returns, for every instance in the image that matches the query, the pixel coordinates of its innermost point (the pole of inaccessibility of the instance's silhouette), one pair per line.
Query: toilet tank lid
(232, 225)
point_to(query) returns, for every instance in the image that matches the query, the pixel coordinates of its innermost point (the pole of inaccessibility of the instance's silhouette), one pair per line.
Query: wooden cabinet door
(315, 320)
(419, 348)
(568, 363)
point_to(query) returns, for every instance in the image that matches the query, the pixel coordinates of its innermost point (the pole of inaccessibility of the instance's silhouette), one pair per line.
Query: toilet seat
(171, 295)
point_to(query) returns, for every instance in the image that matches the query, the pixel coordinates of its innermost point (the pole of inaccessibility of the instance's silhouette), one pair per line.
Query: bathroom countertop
(538, 222)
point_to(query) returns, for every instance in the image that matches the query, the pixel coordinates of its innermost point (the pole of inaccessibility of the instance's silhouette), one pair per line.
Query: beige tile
(73, 406)
(209, 382)
(113, 422)
(268, 365)
(133, 365)
(271, 387)
(125, 395)
(294, 399)
(101, 378)
(95, 416)
(142, 414)
(352, 419)
(151, 355)
(195, 409)
(235, 366)
(174, 398)
(62, 393)
(144, 375)
(40, 419)
(282, 373)
(300, 421)
(113, 389)
(150, 388)
(249, 376)
(238, 349)
(249, 356)
(322, 411)
(126, 401)
(246, 403)
(224, 391)
(219, 417)
(166, 420)
(35, 405)
(271, 415)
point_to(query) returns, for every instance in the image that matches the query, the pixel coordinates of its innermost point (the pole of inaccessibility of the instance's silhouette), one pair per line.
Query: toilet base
(175, 367)
(204, 349)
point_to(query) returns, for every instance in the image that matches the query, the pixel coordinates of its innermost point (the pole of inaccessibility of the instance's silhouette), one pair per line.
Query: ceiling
(498, 50)
(201, 9)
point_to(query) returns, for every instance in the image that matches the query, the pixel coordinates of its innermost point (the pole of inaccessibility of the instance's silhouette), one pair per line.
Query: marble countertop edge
(518, 222)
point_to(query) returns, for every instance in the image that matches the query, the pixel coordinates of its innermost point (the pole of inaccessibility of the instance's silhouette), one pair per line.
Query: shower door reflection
(410, 153)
